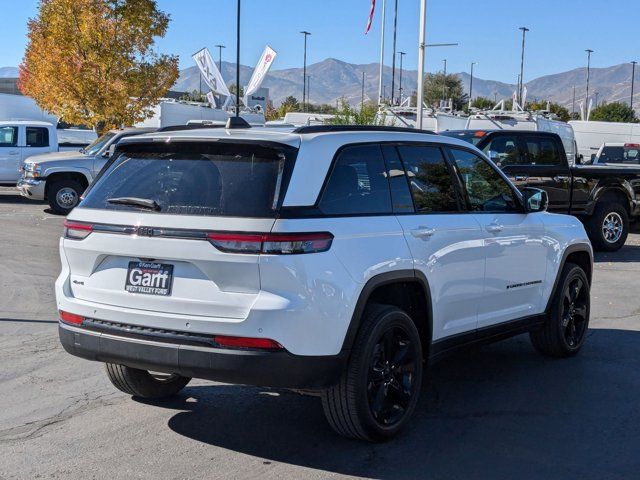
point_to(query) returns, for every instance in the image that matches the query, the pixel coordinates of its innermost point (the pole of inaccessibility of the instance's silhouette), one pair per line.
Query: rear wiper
(136, 202)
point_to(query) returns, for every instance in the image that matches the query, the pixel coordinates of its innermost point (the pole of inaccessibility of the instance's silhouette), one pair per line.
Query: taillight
(632, 145)
(271, 243)
(71, 318)
(77, 230)
(247, 342)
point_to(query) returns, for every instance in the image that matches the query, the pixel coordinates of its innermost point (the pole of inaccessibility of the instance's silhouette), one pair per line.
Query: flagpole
(384, 9)
(421, 51)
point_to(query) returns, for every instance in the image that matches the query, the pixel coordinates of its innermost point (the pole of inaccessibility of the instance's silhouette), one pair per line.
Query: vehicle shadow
(627, 254)
(501, 411)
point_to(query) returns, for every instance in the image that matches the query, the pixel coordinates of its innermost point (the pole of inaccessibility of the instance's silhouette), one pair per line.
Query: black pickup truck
(604, 197)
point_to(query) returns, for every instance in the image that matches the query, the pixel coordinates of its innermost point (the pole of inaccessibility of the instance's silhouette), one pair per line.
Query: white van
(591, 135)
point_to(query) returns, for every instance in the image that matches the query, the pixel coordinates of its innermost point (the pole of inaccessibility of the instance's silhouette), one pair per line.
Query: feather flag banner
(373, 8)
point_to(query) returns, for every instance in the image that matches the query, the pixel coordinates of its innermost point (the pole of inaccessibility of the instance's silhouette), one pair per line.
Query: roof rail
(191, 126)
(357, 128)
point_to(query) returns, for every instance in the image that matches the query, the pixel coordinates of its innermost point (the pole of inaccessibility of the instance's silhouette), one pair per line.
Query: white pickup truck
(24, 138)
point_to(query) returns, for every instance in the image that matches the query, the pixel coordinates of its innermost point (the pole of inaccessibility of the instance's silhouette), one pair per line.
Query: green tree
(562, 112)
(93, 62)
(348, 115)
(290, 104)
(613, 112)
(439, 85)
(483, 103)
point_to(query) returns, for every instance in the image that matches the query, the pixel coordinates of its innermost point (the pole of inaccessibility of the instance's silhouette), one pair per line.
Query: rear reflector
(632, 145)
(71, 318)
(77, 230)
(271, 243)
(246, 342)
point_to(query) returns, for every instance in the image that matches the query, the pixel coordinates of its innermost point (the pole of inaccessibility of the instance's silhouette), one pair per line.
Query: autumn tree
(93, 62)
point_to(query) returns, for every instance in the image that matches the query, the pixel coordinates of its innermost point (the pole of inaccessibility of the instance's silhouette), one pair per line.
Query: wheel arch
(79, 177)
(578, 253)
(406, 289)
(620, 193)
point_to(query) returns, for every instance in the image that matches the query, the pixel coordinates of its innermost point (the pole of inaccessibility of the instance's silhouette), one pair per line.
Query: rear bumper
(32, 189)
(268, 369)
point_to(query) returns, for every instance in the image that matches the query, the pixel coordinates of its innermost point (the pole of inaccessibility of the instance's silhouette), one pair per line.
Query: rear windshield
(470, 136)
(229, 179)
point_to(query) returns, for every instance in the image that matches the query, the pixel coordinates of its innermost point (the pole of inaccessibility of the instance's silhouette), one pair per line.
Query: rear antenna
(236, 122)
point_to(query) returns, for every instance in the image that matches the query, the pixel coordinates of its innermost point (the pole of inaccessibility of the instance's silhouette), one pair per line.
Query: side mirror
(535, 200)
(579, 159)
(109, 153)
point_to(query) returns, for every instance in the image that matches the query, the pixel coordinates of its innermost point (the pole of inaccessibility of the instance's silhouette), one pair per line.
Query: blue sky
(487, 31)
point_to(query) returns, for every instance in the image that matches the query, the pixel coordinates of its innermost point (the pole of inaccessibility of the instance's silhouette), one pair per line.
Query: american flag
(373, 7)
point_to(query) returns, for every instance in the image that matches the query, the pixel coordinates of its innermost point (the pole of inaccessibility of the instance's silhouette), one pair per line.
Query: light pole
(393, 63)
(304, 70)
(308, 88)
(633, 77)
(421, 48)
(444, 81)
(381, 66)
(402, 54)
(362, 99)
(220, 47)
(573, 103)
(596, 95)
(586, 100)
(238, 61)
(524, 31)
(471, 83)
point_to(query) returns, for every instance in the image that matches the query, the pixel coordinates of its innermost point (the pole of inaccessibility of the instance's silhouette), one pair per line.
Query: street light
(444, 81)
(524, 31)
(586, 100)
(304, 69)
(393, 62)
(471, 83)
(402, 54)
(308, 88)
(633, 75)
(220, 47)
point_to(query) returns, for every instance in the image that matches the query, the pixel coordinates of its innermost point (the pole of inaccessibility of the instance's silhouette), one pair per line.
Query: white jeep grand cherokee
(333, 259)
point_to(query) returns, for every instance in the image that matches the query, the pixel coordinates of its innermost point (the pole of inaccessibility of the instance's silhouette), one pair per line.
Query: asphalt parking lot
(499, 412)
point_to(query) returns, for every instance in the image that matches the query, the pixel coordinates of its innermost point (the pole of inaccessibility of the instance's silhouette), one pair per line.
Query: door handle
(494, 228)
(14, 152)
(560, 178)
(423, 232)
(521, 178)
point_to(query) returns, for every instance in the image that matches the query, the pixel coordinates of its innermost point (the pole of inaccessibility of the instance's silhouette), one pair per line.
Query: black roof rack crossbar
(357, 128)
(191, 126)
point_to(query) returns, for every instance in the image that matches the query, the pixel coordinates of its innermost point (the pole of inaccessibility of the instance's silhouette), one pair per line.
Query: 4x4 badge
(145, 231)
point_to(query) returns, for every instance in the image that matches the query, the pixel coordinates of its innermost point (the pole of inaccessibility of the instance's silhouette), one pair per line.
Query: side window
(37, 137)
(487, 190)
(507, 149)
(542, 151)
(430, 179)
(358, 183)
(400, 194)
(8, 136)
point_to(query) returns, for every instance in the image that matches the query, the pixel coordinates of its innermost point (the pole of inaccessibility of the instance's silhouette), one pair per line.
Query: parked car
(332, 259)
(617, 154)
(61, 177)
(21, 139)
(604, 197)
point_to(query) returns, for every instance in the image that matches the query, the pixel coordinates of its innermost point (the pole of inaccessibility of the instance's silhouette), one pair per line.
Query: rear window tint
(358, 183)
(227, 179)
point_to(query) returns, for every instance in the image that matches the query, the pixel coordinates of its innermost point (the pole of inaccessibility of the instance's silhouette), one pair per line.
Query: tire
(608, 227)
(565, 329)
(358, 406)
(141, 383)
(64, 195)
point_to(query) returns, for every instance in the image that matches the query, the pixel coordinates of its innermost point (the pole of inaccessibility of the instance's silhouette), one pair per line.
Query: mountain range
(333, 78)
